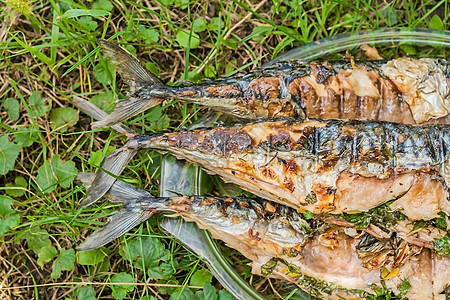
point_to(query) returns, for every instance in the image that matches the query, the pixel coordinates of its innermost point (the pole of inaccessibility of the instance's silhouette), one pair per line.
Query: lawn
(49, 54)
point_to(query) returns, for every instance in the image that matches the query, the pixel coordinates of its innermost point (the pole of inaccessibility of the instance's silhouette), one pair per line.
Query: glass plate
(180, 177)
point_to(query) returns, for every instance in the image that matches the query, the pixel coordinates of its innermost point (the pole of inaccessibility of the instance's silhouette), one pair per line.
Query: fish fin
(120, 223)
(136, 76)
(121, 192)
(85, 179)
(99, 114)
(126, 109)
(128, 66)
(113, 164)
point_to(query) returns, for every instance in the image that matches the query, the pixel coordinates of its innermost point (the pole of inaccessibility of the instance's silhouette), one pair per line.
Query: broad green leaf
(8, 154)
(9, 218)
(130, 35)
(45, 178)
(149, 297)
(199, 25)
(183, 294)
(225, 295)
(104, 266)
(390, 15)
(168, 269)
(152, 67)
(105, 101)
(436, 23)
(97, 157)
(187, 39)
(145, 252)
(154, 273)
(166, 3)
(260, 32)
(37, 104)
(169, 289)
(54, 172)
(46, 254)
(26, 136)
(163, 271)
(200, 277)
(104, 72)
(191, 76)
(85, 293)
(65, 171)
(19, 183)
(102, 5)
(151, 36)
(350, 18)
(120, 291)
(37, 238)
(88, 23)
(64, 262)
(230, 66)
(90, 258)
(154, 114)
(408, 48)
(182, 4)
(12, 108)
(210, 71)
(74, 13)
(62, 118)
(208, 293)
(215, 24)
(231, 43)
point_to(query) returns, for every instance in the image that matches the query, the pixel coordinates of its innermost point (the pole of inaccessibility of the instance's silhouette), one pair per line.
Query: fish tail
(136, 76)
(120, 223)
(131, 214)
(99, 114)
(112, 166)
(119, 191)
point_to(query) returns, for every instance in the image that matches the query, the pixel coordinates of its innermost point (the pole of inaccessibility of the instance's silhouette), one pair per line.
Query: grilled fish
(282, 244)
(403, 90)
(319, 166)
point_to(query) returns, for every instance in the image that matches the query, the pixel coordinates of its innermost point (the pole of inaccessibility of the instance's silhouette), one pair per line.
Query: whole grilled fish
(402, 90)
(320, 166)
(282, 244)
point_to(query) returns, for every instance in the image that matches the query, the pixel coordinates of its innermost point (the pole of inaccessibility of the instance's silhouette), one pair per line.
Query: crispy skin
(366, 90)
(403, 90)
(312, 165)
(325, 166)
(281, 243)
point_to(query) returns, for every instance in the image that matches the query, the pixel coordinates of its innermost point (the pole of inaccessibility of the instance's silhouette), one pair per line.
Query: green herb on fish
(380, 215)
(442, 246)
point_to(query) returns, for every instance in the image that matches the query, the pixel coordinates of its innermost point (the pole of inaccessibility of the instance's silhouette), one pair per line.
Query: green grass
(48, 54)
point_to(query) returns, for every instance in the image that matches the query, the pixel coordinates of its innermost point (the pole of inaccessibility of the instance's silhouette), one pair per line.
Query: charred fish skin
(402, 90)
(398, 148)
(311, 165)
(369, 149)
(266, 232)
(276, 228)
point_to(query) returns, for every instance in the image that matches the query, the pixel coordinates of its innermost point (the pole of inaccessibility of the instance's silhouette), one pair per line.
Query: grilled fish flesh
(282, 244)
(403, 90)
(319, 166)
